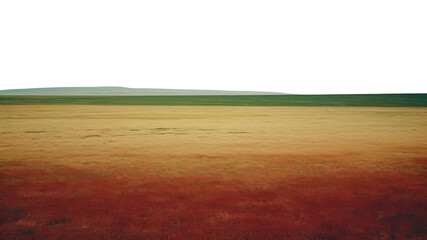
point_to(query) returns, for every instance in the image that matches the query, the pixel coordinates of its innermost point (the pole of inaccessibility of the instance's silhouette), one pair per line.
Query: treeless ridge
(186, 172)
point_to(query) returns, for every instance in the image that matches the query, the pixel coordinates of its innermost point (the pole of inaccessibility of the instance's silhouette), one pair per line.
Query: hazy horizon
(118, 90)
(130, 91)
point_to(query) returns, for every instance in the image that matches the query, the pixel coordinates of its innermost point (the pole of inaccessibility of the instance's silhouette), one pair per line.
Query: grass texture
(225, 173)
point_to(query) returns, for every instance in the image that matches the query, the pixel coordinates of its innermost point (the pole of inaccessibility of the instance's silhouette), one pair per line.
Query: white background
(301, 46)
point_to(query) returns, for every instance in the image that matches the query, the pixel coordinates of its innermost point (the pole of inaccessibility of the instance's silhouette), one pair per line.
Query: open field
(375, 100)
(211, 172)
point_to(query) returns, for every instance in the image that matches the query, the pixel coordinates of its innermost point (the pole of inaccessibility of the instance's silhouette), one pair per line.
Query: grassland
(378, 100)
(212, 172)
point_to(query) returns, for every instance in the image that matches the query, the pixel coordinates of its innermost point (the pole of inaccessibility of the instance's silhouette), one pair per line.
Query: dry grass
(159, 172)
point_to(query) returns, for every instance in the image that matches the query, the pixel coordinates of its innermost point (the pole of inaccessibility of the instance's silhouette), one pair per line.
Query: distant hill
(123, 91)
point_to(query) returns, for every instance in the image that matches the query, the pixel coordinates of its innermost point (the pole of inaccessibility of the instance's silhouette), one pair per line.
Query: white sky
(300, 46)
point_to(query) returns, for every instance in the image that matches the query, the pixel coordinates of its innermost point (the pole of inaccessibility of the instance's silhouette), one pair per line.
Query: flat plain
(212, 172)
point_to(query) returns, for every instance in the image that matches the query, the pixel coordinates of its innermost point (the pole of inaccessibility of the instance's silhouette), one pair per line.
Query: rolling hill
(123, 91)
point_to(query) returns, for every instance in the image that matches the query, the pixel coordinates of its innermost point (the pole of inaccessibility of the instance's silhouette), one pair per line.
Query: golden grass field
(206, 172)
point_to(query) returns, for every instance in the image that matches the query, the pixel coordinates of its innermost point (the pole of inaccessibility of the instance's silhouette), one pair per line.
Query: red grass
(147, 172)
(349, 204)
